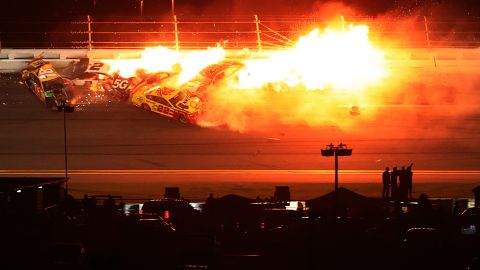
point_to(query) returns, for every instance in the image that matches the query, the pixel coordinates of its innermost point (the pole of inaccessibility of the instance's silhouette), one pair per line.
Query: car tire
(146, 107)
(183, 119)
(50, 103)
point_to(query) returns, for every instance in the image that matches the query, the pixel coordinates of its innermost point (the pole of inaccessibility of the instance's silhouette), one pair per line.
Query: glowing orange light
(164, 59)
(279, 85)
(344, 60)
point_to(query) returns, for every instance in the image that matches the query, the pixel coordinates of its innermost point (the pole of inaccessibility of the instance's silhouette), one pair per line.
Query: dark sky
(74, 8)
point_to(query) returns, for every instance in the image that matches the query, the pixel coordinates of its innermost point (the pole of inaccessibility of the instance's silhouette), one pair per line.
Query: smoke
(413, 100)
(425, 103)
(265, 109)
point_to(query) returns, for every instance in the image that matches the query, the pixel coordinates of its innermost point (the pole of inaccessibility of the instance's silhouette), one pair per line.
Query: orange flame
(333, 59)
(164, 59)
(343, 62)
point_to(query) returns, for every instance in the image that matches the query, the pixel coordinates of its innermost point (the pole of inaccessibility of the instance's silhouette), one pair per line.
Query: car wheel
(51, 104)
(37, 90)
(146, 107)
(183, 119)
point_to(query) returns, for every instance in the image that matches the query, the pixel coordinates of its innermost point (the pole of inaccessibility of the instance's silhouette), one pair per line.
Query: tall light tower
(339, 150)
(67, 108)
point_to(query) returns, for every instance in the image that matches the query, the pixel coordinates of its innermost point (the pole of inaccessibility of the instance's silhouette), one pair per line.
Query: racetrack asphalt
(119, 136)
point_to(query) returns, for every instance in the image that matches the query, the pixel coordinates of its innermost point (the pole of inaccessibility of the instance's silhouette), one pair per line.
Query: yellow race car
(47, 84)
(158, 94)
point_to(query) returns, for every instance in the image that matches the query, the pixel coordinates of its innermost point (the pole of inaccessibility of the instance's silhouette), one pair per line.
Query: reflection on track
(227, 172)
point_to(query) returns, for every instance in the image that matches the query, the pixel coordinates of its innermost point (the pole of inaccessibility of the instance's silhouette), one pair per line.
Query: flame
(164, 59)
(278, 85)
(331, 59)
(327, 79)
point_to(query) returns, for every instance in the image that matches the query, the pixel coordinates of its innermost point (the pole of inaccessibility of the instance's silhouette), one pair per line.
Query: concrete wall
(13, 60)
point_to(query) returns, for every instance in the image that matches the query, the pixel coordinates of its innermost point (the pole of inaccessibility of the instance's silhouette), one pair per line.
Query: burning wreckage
(47, 84)
(84, 82)
(190, 86)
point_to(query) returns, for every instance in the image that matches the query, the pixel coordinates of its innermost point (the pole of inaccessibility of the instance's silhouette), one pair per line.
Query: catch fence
(254, 33)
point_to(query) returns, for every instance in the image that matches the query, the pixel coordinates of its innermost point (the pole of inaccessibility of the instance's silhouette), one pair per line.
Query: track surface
(122, 137)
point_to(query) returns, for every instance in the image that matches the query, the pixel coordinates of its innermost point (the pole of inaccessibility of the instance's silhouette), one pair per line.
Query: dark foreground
(233, 232)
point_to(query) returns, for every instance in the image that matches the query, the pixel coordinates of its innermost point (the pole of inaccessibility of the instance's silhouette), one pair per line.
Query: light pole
(173, 8)
(339, 150)
(67, 108)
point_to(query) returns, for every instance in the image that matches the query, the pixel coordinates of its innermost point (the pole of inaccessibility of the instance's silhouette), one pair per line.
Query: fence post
(175, 23)
(259, 40)
(427, 35)
(89, 22)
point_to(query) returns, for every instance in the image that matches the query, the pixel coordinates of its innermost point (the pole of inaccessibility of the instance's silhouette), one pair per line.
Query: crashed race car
(47, 84)
(159, 92)
(92, 82)
(211, 75)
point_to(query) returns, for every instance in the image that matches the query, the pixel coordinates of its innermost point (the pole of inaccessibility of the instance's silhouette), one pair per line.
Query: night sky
(78, 8)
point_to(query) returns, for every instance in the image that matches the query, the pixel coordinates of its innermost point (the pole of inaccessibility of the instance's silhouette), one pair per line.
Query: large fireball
(276, 86)
(330, 59)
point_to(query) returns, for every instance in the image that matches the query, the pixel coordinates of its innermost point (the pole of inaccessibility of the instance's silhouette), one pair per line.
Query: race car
(159, 92)
(211, 75)
(158, 95)
(92, 77)
(92, 83)
(47, 84)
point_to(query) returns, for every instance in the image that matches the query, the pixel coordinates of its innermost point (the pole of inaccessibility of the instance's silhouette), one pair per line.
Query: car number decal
(165, 110)
(96, 66)
(44, 73)
(120, 84)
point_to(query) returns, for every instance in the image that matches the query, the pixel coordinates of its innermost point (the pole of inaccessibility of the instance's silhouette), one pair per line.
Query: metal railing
(249, 32)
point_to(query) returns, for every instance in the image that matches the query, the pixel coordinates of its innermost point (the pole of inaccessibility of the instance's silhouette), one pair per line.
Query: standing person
(393, 183)
(386, 183)
(476, 193)
(402, 186)
(409, 179)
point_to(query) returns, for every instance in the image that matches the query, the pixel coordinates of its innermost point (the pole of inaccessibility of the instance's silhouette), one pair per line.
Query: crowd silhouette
(338, 230)
(397, 184)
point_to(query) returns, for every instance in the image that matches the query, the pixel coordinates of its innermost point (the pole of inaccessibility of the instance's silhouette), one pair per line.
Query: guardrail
(13, 60)
(416, 41)
(253, 32)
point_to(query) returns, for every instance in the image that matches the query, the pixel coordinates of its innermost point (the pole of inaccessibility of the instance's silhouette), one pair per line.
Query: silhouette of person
(424, 207)
(393, 183)
(88, 203)
(300, 207)
(210, 199)
(85, 202)
(409, 180)
(71, 207)
(386, 183)
(208, 203)
(402, 186)
(476, 193)
(109, 203)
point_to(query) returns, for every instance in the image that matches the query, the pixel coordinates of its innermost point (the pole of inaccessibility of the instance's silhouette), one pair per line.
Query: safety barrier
(12, 60)
(254, 32)
(417, 41)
